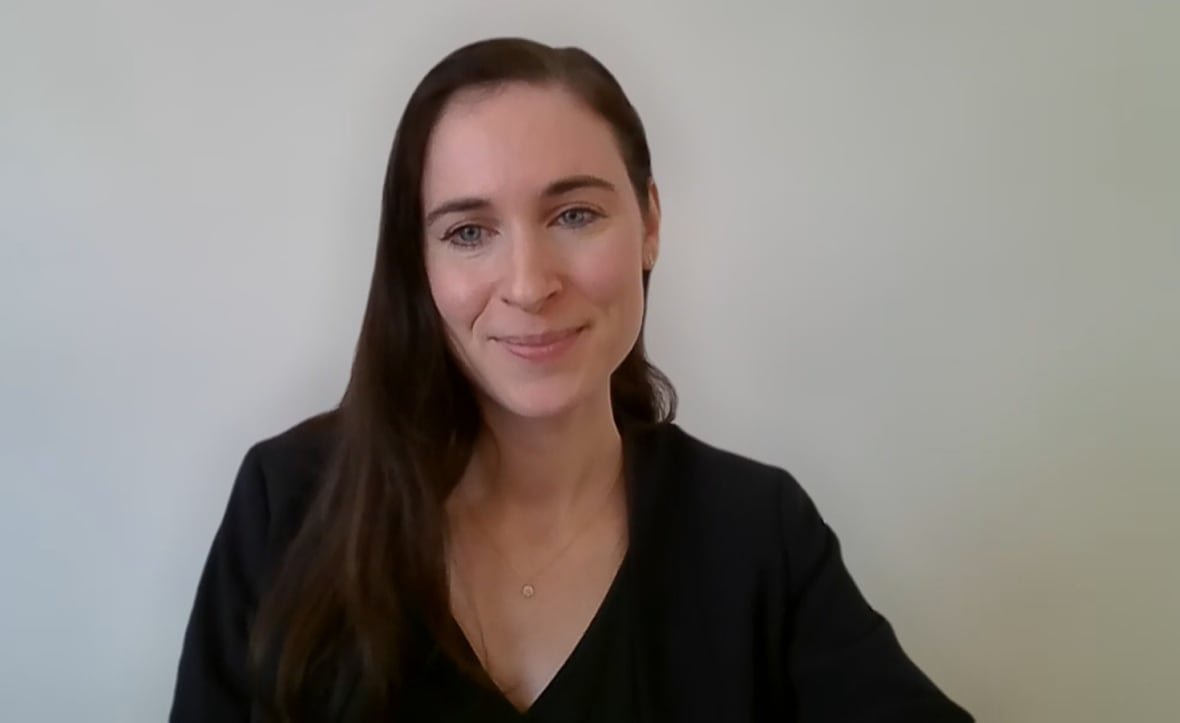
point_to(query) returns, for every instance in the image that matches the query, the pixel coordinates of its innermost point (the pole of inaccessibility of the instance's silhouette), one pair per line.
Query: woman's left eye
(577, 217)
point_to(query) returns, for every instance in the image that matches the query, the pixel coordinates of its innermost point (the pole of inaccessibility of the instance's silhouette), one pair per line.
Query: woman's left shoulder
(683, 474)
(669, 450)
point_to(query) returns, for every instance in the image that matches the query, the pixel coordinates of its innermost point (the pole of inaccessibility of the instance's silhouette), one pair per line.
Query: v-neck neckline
(590, 635)
(639, 492)
(445, 686)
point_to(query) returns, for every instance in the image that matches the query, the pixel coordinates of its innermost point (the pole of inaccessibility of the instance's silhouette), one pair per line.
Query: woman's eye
(466, 235)
(577, 217)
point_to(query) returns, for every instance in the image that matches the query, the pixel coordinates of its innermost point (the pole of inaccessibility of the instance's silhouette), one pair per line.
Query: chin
(539, 401)
(539, 408)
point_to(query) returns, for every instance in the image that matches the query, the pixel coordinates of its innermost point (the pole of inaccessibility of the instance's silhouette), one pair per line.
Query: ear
(651, 227)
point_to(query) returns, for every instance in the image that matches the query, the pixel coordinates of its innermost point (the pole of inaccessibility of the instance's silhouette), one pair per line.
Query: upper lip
(540, 339)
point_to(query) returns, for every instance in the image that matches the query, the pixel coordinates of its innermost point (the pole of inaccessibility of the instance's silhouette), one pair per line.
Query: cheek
(458, 295)
(613, 282)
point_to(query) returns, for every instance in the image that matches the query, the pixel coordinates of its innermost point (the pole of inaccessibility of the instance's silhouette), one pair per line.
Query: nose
(533, 276)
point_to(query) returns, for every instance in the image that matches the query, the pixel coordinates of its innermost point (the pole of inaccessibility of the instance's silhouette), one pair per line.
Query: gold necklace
(528, 589)
(462, 575)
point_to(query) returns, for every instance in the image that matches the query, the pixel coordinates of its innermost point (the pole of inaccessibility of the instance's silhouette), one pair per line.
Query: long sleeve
(843, 660)
(212, 682)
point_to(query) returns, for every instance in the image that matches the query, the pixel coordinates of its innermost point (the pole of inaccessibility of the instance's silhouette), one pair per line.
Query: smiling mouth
(545, 348)
(540, 340)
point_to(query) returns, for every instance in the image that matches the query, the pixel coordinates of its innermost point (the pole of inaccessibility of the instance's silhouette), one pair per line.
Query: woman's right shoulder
(287, 468)
(275, 485)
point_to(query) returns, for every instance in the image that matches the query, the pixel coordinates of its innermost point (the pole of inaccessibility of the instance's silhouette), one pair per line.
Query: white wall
(926, 255)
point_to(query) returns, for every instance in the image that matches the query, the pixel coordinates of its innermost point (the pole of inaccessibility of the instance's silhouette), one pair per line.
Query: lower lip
(544, 352)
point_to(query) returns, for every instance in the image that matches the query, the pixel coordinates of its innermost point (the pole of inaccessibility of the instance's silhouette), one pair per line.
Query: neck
(547, 467)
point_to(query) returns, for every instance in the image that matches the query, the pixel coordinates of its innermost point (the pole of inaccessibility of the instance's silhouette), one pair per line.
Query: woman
(499, 522)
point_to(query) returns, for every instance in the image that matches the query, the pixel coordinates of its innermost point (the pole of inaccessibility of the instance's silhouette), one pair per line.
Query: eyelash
(452, 236)
(591, 215)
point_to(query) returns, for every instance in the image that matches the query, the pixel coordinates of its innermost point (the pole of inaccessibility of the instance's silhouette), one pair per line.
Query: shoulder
(715, 495)
(285, 469)
(687, 465)
(683, 446)
(270, 494)
(297, 455)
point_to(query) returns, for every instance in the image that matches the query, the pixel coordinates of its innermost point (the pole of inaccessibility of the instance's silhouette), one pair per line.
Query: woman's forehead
(516, 140)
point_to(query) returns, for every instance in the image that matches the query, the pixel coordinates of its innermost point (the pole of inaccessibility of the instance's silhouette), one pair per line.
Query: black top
(737, 603)
(596, 684)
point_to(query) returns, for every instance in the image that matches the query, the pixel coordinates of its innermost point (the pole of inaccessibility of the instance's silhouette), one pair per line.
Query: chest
(524, 625)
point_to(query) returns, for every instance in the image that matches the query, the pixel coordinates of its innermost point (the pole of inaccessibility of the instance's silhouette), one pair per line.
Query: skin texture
(533, 227)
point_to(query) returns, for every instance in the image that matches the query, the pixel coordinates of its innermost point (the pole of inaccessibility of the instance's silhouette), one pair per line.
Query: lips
(542, 339)
(543, 347)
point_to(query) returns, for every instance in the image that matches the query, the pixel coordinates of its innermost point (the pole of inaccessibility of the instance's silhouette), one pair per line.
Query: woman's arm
(213, 681)
(843, 660)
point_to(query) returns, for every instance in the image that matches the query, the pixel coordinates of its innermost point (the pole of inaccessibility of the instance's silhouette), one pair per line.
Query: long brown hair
(368, 565)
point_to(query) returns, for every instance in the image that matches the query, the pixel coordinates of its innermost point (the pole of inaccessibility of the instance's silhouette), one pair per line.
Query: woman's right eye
(467, 235)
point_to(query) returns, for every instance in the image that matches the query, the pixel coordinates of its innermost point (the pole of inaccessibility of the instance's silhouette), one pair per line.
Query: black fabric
(737, 606)
(596, 684)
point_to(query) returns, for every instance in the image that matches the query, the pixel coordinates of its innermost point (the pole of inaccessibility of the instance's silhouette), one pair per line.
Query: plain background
(925, 255)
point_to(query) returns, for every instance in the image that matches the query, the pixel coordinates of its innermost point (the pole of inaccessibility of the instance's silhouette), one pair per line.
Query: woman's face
(535, 246)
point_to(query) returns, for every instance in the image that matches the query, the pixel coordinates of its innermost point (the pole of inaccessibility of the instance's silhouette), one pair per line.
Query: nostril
(531, 290)
(530, 298)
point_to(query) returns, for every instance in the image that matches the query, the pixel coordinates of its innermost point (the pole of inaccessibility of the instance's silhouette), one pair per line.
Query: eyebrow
(559, 187)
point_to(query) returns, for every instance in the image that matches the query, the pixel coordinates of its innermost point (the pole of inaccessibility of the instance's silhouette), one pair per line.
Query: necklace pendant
(528, 591)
